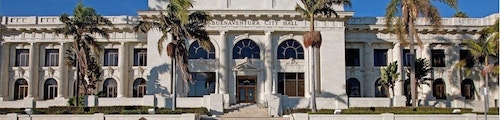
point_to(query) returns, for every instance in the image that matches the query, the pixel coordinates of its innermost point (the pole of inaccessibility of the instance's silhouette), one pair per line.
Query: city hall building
(258, 56)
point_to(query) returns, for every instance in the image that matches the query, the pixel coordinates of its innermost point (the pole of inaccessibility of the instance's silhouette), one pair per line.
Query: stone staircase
(247, 111)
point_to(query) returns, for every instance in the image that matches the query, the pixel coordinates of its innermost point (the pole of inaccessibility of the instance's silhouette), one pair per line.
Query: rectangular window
(467, 57)
(23, 92)
(291, 84)
(22, 57)
(407, 56)
(140, 57)
(111, 91)
(352, 57)
(111, 57)
(204, 84)
(51, 57)
(438, 58)
(380, 57)
(52, 92)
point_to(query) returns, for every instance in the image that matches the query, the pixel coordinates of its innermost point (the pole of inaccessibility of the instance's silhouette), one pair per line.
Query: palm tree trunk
(77, 99)
(174, 81)
(312, 69)
(413, 81)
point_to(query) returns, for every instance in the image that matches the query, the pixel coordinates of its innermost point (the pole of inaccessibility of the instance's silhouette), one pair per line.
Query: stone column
(122, 66)
(368, 68)
(268, 63)
(63, 79)
(33, 70)
(4, 72)
(397, 56)
(426, 51)
(224, 63)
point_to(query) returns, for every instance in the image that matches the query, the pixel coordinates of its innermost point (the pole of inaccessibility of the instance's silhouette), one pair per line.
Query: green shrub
(72, 101)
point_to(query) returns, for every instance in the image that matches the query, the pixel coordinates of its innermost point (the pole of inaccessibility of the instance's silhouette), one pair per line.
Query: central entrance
(246, 89)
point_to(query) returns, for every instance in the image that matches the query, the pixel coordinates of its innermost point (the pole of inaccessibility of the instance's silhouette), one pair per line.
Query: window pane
(111, 57)
(466, 56)
(196, 52)
(352, 57)
(290, 49)
(204, 84)
(140, 57)
(438, 58)
(52, 57)
(246, 49)
(380, 57)
(22, 57)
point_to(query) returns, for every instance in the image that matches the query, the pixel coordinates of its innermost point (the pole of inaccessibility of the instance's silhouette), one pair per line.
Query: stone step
(253, 118)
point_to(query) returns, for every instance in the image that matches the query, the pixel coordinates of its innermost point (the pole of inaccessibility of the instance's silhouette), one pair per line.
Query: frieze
(237, 22)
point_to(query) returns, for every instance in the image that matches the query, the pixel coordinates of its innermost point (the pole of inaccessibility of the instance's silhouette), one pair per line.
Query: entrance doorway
(246, 89)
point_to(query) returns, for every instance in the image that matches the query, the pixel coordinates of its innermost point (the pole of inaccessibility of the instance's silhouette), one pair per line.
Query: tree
(461, 14)
(82, 26)
(404, 26)
(312, 38)
(183, 25)
(422, 68)
(484, 52)
(388, 77)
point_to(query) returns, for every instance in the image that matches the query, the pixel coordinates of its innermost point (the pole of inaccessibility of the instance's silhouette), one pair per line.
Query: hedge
(104, 109)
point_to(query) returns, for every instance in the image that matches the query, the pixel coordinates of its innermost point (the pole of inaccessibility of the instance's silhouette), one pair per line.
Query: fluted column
(4, 72)
(62, 72)
(223, 64)
(367, 67)
(269, 58)
(122, 66)
(397, 56)
(33, 70)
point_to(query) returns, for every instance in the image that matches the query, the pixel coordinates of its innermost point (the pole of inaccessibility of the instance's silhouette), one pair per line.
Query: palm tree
(388, 77)
(82, 26)
(404, 26)
(312, 38)
(461, 14)
(183, 25)
(484, 52)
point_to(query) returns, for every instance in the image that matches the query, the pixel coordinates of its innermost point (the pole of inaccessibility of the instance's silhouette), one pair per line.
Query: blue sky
(474, 8)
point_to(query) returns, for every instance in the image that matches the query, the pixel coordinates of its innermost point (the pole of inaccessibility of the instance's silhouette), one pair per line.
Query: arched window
(139, 88)
(381, 90)
(246, 49)
(290, 49)
(109, 87)
(439, 89)
(197, 52)
(353, 87)
(50, 89)
(20, 89)
(467, 88)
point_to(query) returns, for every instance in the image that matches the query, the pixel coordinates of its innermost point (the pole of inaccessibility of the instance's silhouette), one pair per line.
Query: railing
(489, 20)
(54, 20)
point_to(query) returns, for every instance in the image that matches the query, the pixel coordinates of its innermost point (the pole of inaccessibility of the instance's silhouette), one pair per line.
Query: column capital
(222, 32)
(268, 32)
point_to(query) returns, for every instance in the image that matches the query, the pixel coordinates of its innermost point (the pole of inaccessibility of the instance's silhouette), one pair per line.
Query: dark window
(381, 90)
(139, 88)
(246, 49)
(468, 88)
(50, 89)
(353, 87)
(407, 57)
(438, 58)
(352, 57)
(109, 87)
(203, 84)
(140, 57)
(197, 52)
(111, 57)
(21, 89)
(439, 89)
(290, 49)
(51, 57)
(466, 56)
(22, 57)
(380, 57)
(291, 84)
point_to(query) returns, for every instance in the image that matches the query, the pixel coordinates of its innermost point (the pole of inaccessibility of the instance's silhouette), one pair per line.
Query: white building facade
(258, 56)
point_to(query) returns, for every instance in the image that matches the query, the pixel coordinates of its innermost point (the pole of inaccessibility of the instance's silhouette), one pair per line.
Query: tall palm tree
(312, 38)
(183, 25)
(460, 14)
(82, 26)
(404, 26)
